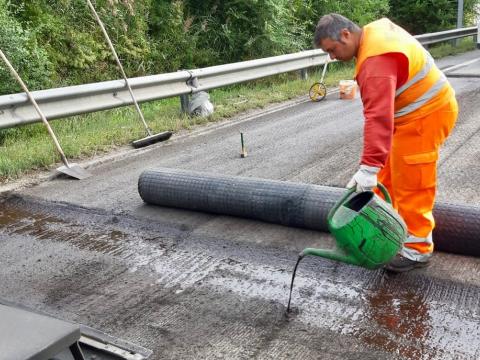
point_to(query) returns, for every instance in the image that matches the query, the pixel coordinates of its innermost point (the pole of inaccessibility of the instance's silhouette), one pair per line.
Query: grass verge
(28, 148)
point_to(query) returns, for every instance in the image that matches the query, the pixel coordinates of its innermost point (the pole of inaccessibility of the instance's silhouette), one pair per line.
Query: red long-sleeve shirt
(378, 79)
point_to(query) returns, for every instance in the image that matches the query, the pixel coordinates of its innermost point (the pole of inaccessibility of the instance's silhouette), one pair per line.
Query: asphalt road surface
(191, 285)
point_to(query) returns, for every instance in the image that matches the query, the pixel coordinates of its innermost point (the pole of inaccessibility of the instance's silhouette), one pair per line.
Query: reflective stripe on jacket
(426, 88)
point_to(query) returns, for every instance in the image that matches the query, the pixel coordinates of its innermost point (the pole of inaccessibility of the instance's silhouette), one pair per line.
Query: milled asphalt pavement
(191, 285)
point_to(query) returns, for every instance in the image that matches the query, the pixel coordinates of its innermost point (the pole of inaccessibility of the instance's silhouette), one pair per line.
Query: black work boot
(402, 264)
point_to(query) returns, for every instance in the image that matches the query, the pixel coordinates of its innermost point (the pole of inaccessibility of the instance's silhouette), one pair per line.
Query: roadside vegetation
(54, 44)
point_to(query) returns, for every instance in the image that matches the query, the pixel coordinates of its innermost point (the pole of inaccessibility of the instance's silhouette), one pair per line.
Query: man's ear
(345, 33)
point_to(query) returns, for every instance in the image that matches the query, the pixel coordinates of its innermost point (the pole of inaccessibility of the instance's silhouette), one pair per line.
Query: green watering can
(368, 231)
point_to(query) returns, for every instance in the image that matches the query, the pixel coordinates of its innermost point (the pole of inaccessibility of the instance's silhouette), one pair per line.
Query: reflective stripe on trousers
(418, 248)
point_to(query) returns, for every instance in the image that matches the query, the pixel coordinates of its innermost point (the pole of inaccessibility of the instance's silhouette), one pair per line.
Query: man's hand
(364, 179)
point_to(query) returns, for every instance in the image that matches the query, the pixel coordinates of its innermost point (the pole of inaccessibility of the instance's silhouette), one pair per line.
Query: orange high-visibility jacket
(426, 88)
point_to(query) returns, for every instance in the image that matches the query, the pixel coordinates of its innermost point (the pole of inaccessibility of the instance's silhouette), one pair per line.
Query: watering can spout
(336, 254)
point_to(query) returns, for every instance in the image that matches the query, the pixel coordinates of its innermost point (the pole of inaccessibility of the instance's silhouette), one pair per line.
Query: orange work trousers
(410, 173)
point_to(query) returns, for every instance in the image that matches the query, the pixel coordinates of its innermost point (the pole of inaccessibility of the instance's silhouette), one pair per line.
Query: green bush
(239, 30)
(308, 12)
(22, 49)
(360, 11)
(74, 42)
(173, 43)
(425, 16)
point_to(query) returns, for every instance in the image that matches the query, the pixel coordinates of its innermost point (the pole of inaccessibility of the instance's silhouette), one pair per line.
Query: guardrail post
(304, 74)
(184, 99)
(478, 35)
(459, 19)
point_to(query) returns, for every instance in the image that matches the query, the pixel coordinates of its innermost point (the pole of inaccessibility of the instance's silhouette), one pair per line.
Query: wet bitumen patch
(185, 293)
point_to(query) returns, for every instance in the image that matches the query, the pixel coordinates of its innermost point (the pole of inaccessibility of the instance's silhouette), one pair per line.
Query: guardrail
(15, 109)
(432, 38)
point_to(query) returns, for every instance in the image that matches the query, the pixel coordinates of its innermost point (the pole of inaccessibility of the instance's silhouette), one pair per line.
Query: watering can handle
(350, 191)
(385, 193)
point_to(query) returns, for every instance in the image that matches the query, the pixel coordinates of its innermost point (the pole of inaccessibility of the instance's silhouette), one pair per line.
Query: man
(409, 110)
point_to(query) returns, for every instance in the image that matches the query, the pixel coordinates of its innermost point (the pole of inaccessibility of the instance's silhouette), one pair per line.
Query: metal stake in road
(243, 153)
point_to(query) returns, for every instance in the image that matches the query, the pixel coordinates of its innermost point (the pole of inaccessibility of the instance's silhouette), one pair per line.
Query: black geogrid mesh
(287, 203)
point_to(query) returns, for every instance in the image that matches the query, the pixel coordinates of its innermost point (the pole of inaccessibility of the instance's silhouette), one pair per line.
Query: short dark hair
(330, 26)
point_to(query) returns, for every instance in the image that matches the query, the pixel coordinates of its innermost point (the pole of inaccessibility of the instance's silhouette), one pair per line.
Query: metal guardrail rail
(432, 38)
(15, 109)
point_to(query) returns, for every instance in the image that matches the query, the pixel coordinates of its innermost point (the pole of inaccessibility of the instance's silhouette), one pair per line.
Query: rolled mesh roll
(287, 203)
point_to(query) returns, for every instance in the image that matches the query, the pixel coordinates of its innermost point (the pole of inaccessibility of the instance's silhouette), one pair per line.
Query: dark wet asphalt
(200, 286)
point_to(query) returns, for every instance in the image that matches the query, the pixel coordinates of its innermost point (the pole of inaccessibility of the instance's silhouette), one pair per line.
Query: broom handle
(35, 105)
(119, 65)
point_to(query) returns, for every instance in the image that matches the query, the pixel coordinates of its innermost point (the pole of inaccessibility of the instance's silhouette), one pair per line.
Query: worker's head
(337, 36)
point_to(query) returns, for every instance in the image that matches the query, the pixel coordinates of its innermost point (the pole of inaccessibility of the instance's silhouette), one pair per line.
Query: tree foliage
(20, 46)
(68, 33)
(424, 16)
(58, 43)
